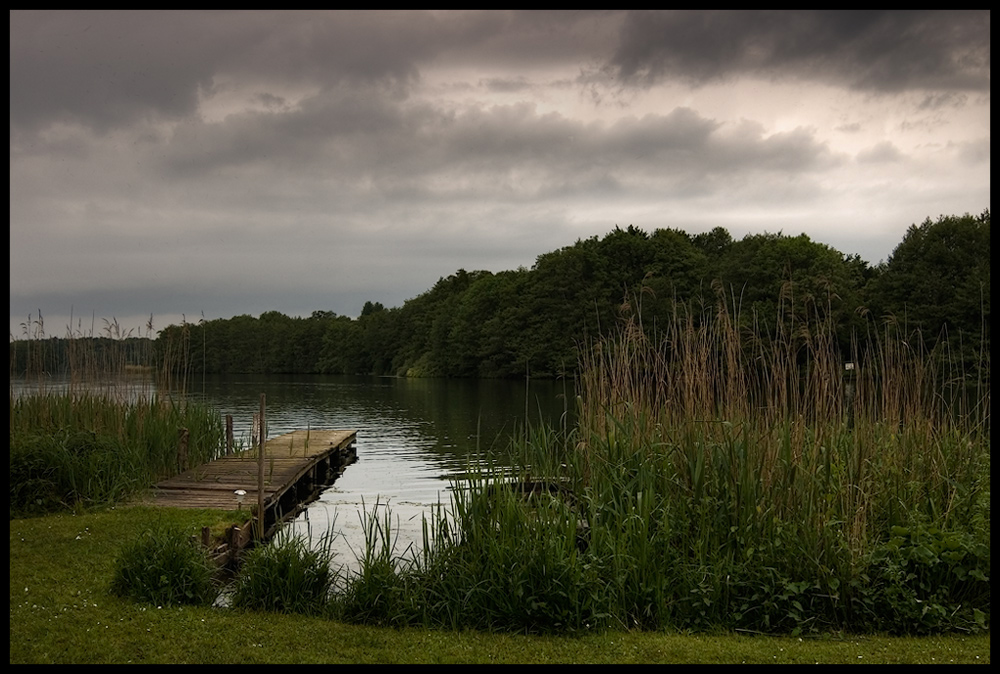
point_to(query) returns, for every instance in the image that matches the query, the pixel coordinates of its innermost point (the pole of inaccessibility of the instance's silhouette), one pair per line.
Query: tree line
(935, 286)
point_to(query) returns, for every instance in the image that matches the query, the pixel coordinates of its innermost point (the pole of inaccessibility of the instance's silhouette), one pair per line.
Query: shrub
(932, 581)
(164, 567)
(285, 576)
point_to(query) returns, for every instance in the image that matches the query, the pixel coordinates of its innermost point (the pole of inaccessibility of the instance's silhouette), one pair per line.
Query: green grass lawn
(61, 612)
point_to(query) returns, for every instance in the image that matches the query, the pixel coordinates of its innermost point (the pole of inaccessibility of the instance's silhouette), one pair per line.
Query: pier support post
(260, 472)
(182, 449)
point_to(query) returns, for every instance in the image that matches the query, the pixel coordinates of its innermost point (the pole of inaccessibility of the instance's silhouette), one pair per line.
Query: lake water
(413, 435)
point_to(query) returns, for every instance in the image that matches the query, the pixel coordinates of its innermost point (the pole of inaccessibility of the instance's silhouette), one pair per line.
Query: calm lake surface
(413, 435)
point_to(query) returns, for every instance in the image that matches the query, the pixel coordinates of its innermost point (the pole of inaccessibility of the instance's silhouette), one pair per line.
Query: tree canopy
(484, 324)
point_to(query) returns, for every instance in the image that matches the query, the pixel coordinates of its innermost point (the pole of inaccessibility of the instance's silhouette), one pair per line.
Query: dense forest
(935, 288)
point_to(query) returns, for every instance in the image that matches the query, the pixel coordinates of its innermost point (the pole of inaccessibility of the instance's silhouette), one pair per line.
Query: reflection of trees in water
(444, 417)
(129, 386)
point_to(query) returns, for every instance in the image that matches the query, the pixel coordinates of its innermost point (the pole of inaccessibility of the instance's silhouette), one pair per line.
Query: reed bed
(90, 425)
(80, 449)
(723, 477)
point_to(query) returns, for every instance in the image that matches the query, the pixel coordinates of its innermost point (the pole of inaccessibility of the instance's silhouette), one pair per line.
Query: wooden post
(260, 472)
(229, 434)
(182, 449)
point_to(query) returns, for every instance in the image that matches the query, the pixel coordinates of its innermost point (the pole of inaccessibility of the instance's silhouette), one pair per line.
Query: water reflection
(130, 386)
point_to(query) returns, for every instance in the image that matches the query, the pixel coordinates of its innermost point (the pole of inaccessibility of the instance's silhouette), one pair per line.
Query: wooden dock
(297, 466)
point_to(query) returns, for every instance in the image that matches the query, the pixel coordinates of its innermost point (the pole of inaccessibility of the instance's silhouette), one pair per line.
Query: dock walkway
(297, 466)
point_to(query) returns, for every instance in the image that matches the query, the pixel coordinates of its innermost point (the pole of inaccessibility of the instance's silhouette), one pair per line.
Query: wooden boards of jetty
(297, 466)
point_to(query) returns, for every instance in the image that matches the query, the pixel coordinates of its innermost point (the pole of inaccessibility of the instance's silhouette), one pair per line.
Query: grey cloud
(510, 152)
(270, 100)
(943, 99)
(507, 85)
(104, 69)
(107, 69)
(321, 129)
(880, 153)
(868, 50)
(520, 38)
(681, 130)
(975, 152)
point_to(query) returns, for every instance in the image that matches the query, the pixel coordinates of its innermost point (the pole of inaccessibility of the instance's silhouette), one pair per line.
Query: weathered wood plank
(288, 459)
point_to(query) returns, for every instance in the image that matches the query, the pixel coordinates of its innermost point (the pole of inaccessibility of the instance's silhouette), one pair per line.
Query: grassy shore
(62, 612)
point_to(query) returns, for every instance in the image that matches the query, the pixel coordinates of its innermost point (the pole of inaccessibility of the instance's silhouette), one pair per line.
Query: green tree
(714, 243)
(937, 282)
(567, 297)
(678, 272)
(371, 308)
(338, 339)
(772, 277)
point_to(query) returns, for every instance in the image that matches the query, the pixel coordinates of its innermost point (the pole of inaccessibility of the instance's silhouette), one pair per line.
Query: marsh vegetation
(722, 480)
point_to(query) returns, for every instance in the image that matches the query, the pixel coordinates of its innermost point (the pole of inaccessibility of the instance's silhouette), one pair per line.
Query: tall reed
(727, 474)
(768, 454)
(89, 448)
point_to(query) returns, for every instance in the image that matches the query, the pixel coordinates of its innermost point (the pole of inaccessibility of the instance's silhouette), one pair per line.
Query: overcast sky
(219, 163)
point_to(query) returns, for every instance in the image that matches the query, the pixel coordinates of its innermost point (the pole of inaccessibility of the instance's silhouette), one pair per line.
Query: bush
(285, 576)
(35, 473)
(164, 567)
(931, 581)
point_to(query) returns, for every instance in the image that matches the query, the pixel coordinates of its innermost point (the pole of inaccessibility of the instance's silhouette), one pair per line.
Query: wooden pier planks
(292, 462)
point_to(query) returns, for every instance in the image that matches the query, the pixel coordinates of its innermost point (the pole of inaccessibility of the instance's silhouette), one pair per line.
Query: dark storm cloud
(869, 50)
(103, 69)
